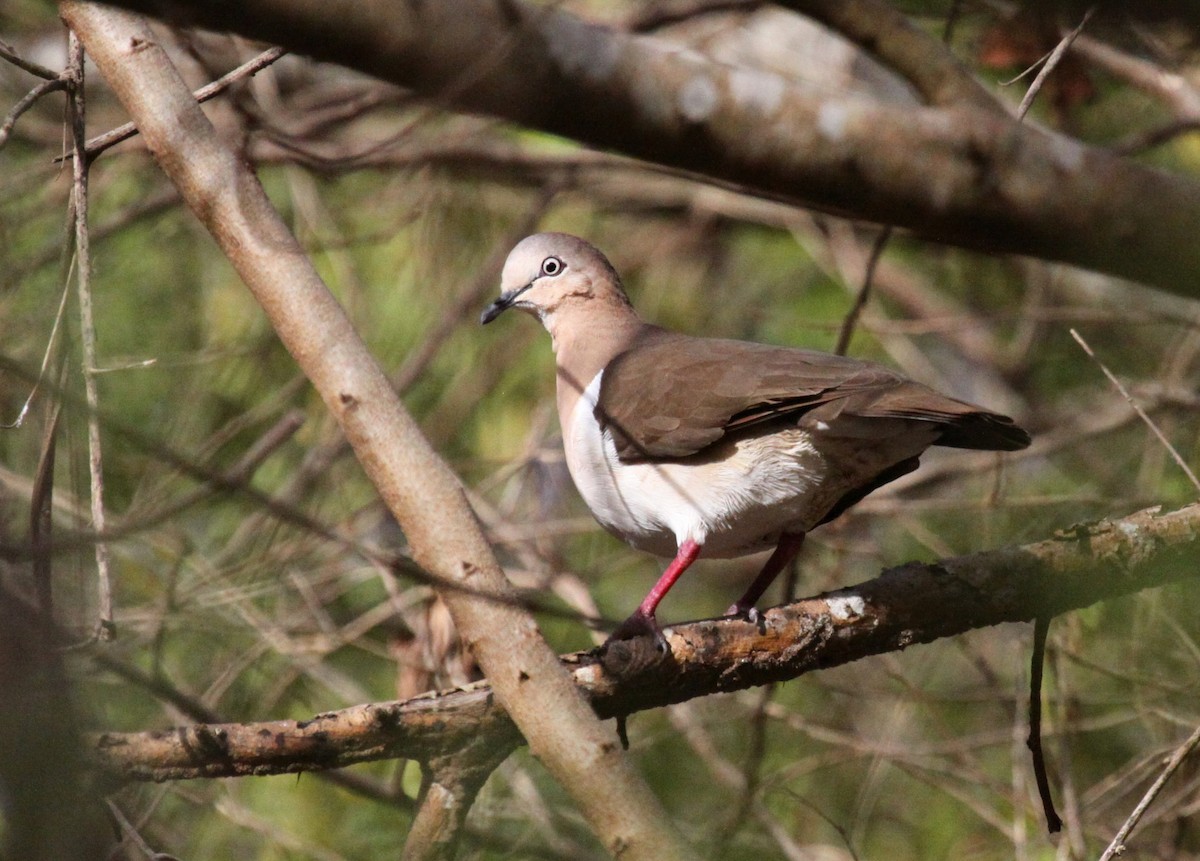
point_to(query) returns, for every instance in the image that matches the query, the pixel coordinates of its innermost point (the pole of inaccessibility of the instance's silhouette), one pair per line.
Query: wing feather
(672, 396)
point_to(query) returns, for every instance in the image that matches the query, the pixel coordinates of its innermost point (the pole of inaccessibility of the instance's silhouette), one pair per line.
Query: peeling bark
(907, 605)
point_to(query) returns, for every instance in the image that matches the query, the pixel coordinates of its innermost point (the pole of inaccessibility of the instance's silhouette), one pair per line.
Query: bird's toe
(639, 624)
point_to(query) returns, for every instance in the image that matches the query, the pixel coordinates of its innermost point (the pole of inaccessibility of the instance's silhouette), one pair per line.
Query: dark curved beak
(491, 312)
(506, 301)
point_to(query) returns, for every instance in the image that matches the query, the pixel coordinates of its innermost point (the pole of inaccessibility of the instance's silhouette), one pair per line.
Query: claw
(750, 614)
(639, 624)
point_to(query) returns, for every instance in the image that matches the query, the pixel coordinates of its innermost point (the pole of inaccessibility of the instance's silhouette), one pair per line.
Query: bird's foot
(639, 624)
(739, 611)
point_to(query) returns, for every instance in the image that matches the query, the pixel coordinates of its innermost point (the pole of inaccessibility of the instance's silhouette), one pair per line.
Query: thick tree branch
(964, 175)
(425, 497)
(914, 603)
(882, 30)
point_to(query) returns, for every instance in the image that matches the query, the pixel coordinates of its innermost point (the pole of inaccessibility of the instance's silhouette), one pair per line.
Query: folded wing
(746, 386)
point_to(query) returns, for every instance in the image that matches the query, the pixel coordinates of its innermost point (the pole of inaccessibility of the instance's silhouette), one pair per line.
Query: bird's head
(549, 273)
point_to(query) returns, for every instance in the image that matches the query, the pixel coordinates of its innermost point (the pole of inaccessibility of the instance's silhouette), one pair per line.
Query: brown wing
(743, 385)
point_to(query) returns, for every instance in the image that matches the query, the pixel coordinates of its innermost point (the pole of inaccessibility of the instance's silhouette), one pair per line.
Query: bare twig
(46, 356)
(1187, 470)
(111, 138)
(41, 522)
(7, 52)
(1139, 142)
(465, 306)
(155, 202)
(864, 292)
(1067, 722)
(1117, 846)
(25, 103)
(1041, 626)
(237, 475)
(129, 834)
(1051, 63)
(1171, 88)
(87, 326)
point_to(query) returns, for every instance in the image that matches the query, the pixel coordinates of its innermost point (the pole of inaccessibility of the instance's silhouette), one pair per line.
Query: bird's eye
(552, 266)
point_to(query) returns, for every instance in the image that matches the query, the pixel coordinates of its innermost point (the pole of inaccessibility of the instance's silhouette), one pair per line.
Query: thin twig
(1051, 63)
(864, 292)
(951, 22)
(1172, 89)
(130, 834)
(1137, 409)
(58, 318)
(87, 325)
(1028, 70)
(1041, 627)
(26, 102)
(7, 52)
(463, 307)
(111, 138)
(1140, 141)
(1118, 843)
(41, 522)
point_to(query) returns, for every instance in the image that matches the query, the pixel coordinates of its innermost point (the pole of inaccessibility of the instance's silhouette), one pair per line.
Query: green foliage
(258, 615)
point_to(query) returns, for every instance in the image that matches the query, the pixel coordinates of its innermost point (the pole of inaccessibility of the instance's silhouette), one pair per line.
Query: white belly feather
(735, 500)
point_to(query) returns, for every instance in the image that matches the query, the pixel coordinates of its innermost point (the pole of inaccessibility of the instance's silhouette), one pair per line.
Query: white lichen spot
(1129, 530)
(697, 98)
(935, 124)
(754, 89)
(587, 675)
(831, 119)
(687, 55)
(942, 188)
(578, 47)
(1068, 154)
(848, 607)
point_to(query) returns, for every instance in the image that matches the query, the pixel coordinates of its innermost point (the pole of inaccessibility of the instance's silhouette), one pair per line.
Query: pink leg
(785, 552)
(643, 621)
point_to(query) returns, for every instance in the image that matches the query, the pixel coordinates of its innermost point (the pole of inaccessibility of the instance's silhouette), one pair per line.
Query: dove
(686, 446)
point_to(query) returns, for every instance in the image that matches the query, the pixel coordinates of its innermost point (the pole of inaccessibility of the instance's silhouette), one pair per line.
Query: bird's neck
(584, 344)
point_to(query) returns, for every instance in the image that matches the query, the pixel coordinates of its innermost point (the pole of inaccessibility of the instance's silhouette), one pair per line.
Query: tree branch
(248, 69)
(963, 175)
(910, 604)
(425, 497)
(886, 33)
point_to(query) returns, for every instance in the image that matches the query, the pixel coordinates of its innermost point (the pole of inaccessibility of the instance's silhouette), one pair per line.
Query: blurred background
(228, 607)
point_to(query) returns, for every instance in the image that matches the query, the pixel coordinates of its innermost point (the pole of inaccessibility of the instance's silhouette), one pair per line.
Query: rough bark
(961, 174)
(907, 605)
(417, 486)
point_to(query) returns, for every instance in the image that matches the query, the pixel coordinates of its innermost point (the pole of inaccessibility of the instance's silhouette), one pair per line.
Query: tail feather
(985, 431)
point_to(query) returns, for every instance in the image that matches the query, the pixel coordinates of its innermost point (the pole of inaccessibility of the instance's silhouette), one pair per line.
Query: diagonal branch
(25, 103)
(914, 603)
(124, 132)
(420, 490)
(965, 175)
(923, 60)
